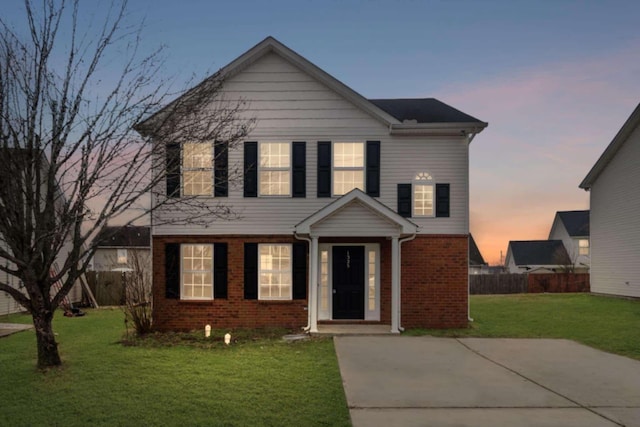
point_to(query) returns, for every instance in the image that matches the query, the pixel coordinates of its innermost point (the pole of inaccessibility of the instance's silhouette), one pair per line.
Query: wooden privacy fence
(528, 283)
(107, 287)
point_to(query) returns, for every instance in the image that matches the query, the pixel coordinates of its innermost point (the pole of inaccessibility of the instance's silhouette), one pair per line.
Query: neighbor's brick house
(352, 209)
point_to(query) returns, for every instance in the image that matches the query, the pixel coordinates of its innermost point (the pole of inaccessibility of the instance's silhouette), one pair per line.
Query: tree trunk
(48, 355)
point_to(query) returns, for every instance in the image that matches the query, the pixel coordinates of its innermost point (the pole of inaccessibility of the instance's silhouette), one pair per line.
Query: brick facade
(435, 274)
(434, 287)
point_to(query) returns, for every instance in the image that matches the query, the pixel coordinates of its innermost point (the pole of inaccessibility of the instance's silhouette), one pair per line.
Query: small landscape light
(227, 338)
(207, 331)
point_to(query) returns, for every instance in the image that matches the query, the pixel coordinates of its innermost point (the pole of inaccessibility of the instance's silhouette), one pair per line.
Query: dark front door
(348, 282)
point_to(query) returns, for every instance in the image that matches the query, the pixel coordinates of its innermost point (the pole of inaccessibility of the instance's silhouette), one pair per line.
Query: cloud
(547, 127)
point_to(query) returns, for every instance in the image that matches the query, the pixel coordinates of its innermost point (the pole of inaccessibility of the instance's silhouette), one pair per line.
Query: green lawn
(610, 324)
(256, 383)
(183, 380)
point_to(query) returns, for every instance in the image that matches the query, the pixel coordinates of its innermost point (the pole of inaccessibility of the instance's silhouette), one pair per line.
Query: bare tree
(70, 160)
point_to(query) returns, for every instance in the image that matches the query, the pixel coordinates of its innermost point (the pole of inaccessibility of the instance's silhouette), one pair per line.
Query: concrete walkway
(427, 381)
(12, 328)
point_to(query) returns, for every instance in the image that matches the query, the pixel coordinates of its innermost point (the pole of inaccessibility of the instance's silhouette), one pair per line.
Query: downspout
(400, 242)
(469, 318)
(308, 240)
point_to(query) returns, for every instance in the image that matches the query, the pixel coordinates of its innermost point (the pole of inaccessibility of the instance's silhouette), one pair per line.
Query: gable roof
(356, 196)
(475, 257)
(539, 252)
(431, 114)
(125, 237)
(621, 137)
(575, 222)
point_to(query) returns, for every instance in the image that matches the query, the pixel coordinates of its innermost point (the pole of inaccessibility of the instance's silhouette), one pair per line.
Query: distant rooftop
(539, 252)
(125, 237)
(576, 222)
(475, 257)
(423, 110)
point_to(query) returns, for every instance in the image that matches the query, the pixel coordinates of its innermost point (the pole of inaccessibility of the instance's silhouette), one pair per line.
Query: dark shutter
(173, 170)
(250, 271)
(220, 270)
(324, 168)
(221, 169)
(299, 169)
(250, 169)
(172, 270)
(404, 200)
(442, 200)
(299, 270)
(373, 168)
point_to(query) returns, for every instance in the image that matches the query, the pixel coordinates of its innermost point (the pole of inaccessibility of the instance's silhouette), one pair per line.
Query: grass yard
(610, 324)
(255, 383)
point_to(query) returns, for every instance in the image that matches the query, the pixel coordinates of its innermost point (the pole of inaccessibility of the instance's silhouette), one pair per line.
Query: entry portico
(345, 262)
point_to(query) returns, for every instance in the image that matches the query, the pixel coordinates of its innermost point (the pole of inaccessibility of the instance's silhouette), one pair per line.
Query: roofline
(621, 137)
(270, 44)
(445, 128)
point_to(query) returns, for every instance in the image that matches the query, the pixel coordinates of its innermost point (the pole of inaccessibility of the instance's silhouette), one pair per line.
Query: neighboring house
(8, 305)
(119, 245)
(537, 256)
(572, 227)
(351, 209)
(614, 183)
(477, 265)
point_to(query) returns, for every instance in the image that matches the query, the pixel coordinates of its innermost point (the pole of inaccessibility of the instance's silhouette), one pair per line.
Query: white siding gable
(354, 219)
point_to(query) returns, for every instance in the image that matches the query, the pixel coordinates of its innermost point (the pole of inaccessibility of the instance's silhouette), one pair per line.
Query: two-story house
(351, 209)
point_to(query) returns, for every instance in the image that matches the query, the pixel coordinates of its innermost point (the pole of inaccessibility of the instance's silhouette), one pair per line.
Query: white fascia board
(438, 129)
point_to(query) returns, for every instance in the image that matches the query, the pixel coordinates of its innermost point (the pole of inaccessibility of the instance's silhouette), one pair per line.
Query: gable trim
(405, 226)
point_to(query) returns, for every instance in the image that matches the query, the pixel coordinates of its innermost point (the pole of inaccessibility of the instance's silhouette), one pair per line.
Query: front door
(348, 282)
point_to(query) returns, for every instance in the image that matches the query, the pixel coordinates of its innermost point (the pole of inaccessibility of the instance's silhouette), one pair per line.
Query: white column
(395, 286)
(313, 284)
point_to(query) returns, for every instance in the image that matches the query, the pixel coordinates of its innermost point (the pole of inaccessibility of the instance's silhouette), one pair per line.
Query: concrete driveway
(427, 381)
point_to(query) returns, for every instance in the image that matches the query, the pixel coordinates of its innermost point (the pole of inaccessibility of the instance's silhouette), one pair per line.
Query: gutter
(400, 242)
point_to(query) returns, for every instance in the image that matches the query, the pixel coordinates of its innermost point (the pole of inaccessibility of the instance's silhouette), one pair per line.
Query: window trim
(182, 271)
(288, 169)
(581, 248)
(184, 169)
(335, 168)
(260, 271)
(423, 178)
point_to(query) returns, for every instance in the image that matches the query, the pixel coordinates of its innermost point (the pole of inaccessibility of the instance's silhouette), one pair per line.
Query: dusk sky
(555, 79)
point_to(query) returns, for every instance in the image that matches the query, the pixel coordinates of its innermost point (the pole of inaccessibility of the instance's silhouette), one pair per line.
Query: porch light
(227, 338)
(207, 331)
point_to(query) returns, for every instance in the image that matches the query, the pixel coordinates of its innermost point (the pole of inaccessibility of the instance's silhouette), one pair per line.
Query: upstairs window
(122, 256)
(348, 167)
(583, 247)
(197, 169)
(275, 169)
(423, 187)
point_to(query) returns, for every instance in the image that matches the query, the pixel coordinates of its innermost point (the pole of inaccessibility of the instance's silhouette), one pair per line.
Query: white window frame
(335, 168)
(262, 168)
(423, 179)
(183, 271)
(201, 169)
(326, 313)
(584, 250)
(267, 271)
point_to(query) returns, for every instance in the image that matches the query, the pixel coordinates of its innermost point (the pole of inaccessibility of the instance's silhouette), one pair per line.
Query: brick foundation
(434, 287)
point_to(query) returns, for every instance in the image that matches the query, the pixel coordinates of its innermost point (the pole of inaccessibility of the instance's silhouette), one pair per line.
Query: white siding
(615, 223)
(7, 304)
(292, 106)
(354, 220)
(559, 232)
